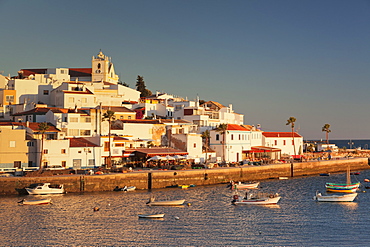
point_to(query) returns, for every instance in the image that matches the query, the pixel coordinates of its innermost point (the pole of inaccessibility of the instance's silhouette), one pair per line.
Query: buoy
(189, 204)
(177, 218)
(366, 180)
(96, 209)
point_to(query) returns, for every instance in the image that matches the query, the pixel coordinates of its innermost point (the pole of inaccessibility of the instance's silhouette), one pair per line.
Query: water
(210, 220)
(351, 144)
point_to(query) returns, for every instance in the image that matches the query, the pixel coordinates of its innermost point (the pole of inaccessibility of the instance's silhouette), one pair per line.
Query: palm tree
(206, 136)
(42, 128)
(291, 122)
(222, 129)
(326, 128)
(109, 115)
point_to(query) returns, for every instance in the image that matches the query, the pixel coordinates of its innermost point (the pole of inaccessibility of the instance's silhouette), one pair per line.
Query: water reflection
(211, 220)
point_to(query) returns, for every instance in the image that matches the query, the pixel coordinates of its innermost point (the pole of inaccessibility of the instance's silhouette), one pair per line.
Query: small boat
(256, 199)
(283, 178)
(151, 216)
(240, 185)
(129, 188)
(45, 188)
(348, 187)
(35, 202)
(153, 202)
(324, 174)
(335, 198)
(184, 186)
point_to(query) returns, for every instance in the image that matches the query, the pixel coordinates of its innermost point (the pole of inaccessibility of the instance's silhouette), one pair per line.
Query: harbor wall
(156, 179)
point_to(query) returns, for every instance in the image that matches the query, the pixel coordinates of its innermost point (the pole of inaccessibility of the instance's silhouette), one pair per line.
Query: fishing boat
(348, 187)
(240, 185)
(45, 188)
(335, 197)
(35, 202)
(259, 198)
(151, 216)
(153, 202)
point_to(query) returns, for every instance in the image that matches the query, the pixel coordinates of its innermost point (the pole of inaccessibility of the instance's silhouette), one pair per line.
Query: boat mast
(348, 176)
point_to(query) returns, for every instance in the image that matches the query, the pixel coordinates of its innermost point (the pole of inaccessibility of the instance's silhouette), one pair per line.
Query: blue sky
(271, 59)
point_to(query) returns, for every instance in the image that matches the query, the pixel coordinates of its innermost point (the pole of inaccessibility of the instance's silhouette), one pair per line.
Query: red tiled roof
(80, 72)
(35, 111)
(35, 127)
(280, 134)
(236, 127)
(80, 142)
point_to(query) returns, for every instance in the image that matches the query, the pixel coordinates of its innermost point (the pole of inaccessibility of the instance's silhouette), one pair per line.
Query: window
(129, 117)
(64, 163)
(275, 142)
(10, 98)
(232, 137)
(217, 137)
(73, 132)
(63, 151)
(79, 151)
(292, 142)
(119, 144)
(17, 164)
(73, 119)
(46, 151)
(239, 137)
(84, 132)
(91, 162)
(84, 100)
(71, 100)
(46, 92)
(30, 144)
(106, 146)
(195, 145)
(284, 142)
(12, 144)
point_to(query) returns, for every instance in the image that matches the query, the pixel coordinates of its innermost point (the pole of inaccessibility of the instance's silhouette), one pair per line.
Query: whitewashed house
(284, 141)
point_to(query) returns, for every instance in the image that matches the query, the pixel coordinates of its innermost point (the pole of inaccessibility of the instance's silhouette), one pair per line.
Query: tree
(222, 130)
(326, 128)
(42, 128)
(291, 122)
(109, 115)
(140, 86)
(206, 136)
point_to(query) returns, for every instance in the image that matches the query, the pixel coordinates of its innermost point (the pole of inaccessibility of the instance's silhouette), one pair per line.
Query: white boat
(129, 188)
(335, 197)
(240, 185)
(45, 188)
(151, 215)
(35, 202)
(153, 202)
(259, 198)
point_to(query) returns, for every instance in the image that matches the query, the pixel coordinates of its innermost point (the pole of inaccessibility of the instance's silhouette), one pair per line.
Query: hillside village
(83, 118)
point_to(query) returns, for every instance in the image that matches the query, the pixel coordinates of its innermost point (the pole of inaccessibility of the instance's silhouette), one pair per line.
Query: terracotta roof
(35, 127)
(213, 103)
(280, 134)
(118, 138)
(236, 127)
(34, 111)
(28, 72)
(80, 72)
(7, 123)
(80, 142)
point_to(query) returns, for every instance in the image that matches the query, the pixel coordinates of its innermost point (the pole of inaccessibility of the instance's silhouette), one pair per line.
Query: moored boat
(35, 202)
(153, 202)
(240, 185)
(45, 188)
(259, 198)
(151, 216)
(348, 187)
(126, 188)
(335, 198)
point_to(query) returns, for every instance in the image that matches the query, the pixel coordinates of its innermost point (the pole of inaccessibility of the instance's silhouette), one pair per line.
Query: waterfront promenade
(156, 179)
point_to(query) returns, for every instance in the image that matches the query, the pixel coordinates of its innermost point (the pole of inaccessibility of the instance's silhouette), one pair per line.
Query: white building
(284, 141)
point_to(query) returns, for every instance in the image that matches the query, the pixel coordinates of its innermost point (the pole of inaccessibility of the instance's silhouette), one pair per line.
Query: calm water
(351, 144)
(211, 220)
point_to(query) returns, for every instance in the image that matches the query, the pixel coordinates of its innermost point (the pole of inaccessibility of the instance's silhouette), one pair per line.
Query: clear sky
(270, 59)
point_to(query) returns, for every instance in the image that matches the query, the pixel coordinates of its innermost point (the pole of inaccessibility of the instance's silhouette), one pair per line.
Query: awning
(262, 149)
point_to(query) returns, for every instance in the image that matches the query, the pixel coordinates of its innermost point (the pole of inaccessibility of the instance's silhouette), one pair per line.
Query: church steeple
(103, 69)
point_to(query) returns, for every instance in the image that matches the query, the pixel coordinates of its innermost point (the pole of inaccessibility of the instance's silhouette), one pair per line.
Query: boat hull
(44, 189)
(35, 202)
(241, 186)
(166, 203)
(260, 201)
(335, 198)
(151, 216)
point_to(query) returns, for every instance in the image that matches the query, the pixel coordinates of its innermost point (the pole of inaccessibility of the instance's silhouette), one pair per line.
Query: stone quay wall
(156, 179)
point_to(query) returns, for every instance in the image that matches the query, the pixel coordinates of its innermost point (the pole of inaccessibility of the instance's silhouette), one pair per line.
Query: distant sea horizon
(348, 143)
